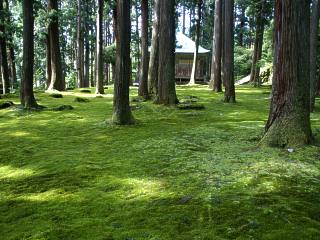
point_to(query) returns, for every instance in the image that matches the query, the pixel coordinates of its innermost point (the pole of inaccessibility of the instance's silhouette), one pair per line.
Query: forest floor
(175, 175)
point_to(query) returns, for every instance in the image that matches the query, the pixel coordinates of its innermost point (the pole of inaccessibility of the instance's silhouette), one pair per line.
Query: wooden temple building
(185, 49)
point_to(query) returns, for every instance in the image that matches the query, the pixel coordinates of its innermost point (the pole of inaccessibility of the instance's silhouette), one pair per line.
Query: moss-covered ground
(176, 174)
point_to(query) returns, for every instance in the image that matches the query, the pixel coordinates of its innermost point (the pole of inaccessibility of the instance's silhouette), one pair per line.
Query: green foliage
(110, 54)
(174, 175)
(242, 61)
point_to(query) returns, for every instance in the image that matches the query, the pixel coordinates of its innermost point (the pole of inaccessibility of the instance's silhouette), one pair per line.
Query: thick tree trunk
(3, 52)
(80, 47)
(121, 108)
(289, 118)
(166, 78)
(99, 47)
(154, 54)
(313, 51)
(57, 79)
(27, 97)
(257, 50)
(143, 86)
(216, 80)
(196, 53)
(228, 67)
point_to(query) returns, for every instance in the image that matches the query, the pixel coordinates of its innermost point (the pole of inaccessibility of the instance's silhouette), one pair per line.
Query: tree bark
(3, 51)
(154, 54)
(167, 89)
(313, 51)
(196, 53)
(121, 109)
(289, 118)
(48, 55)
(57, 79)
(257, 50)
(80, 47)
(216, 80)
(143, 86)
(99, 47)
(228, 64)
(11, 58)
(27, 97)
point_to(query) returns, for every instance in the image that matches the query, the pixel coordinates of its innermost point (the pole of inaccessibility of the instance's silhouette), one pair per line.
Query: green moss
(173, 175)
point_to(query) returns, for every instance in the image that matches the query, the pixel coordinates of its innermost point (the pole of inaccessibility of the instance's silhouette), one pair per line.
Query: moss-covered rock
(85, 91)
(190, 106)
(81, 100)
(63, 108)
(7, 104)
(56, 95)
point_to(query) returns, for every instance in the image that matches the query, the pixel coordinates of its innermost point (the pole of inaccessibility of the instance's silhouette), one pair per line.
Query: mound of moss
(81, 100)
(56, 95)
(85, 91)
(63, 108)
(7, 104)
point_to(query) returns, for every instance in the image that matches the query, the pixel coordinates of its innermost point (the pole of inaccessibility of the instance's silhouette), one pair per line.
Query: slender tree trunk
(137, 38)
(154, 54)
(3, 51)
(99, 47)
(27, 97)
(121, 108)
(143, 86)
(196, 53)
(289, 118)
(11, 58)
(242, 25)
(167, 89)
(313, 51)
(228, 67)
(57, 79)
(257, 50)
(184, 20)
(216, 80)
(86, 83)
(48, 53)
(80, 48)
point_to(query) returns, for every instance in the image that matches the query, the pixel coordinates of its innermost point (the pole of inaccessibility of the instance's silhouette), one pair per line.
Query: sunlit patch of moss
(9, 172)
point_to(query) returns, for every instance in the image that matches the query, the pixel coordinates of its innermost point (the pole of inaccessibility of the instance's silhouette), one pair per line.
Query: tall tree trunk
(184, 19)
(143, 86)
(27, 97)
(167, 89)
(228, 67)
(257, 50)
(80, 48)
(216, 80)
(48, 55)
(242, 25)
(137, 37)
(121, 108)
(313, 51)
(154, 54)
(289, 118)
(3, 51)
(11, 58)
(196, 53)
(57, 79)
(87, 63)
(99, 47)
